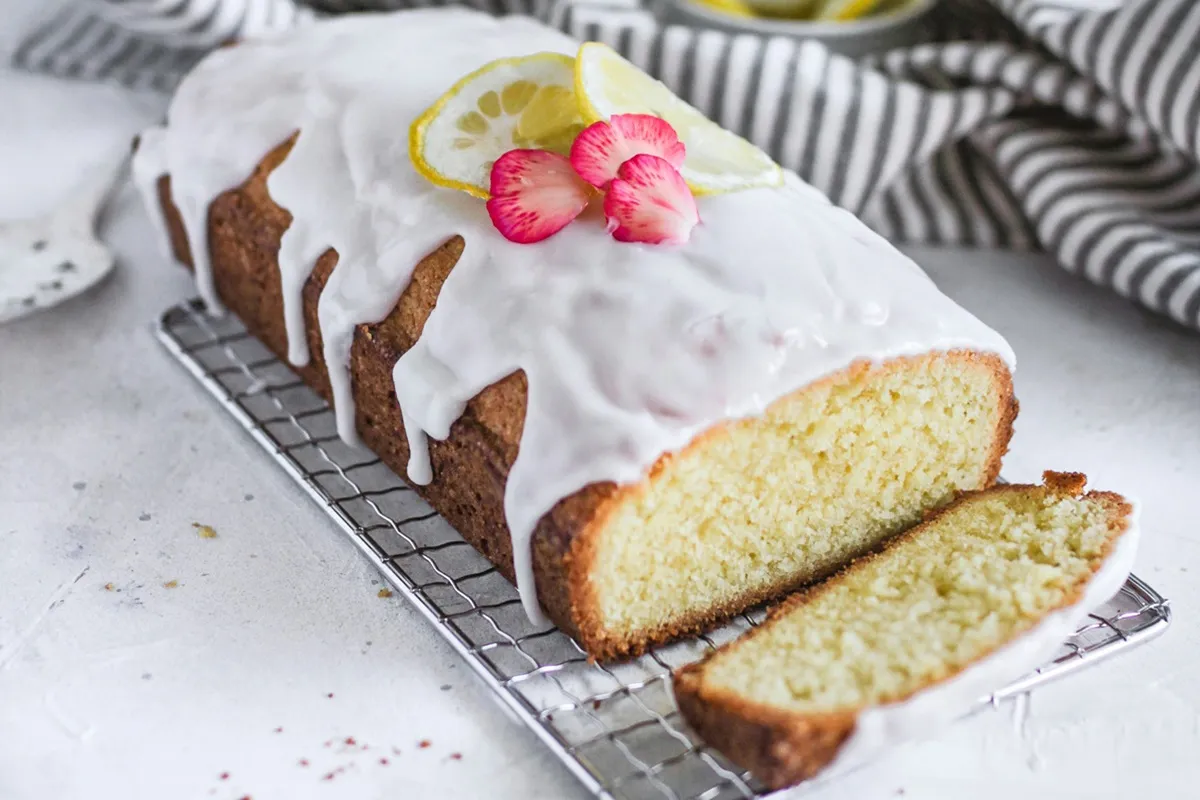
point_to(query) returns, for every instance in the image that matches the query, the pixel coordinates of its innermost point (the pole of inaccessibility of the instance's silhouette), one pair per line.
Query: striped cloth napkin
(1067, 125)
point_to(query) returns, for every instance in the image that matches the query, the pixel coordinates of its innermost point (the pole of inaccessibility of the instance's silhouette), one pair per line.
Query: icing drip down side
(629, 351)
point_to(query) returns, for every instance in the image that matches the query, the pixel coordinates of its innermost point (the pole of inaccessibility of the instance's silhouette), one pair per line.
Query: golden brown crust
(245, 227)
(783, 748)
(780, 748)
(1008, 418)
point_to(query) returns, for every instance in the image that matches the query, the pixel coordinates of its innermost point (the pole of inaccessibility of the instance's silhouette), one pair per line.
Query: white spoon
(48, 259)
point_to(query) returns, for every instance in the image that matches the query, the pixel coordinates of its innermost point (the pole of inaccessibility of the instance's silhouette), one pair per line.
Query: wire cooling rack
(616, 727)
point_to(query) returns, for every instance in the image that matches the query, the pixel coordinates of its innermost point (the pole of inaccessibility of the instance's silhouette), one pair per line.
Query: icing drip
(150, 164)
(629, 351)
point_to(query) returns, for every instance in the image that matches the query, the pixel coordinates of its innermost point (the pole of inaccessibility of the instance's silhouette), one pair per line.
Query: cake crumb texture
(972, 578)
(768, 504)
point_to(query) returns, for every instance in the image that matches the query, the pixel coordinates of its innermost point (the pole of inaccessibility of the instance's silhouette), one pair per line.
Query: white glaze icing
(149, 164)
(923, 714)
(630, 351)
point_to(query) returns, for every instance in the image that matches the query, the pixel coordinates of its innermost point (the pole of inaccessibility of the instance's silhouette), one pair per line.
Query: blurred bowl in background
(900, 26)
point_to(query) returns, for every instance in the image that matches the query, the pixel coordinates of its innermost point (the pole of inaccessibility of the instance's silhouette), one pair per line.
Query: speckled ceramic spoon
(48, 259)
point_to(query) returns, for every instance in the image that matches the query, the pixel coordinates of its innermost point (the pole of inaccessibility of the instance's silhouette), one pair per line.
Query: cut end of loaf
(766, 505)
(972, 578)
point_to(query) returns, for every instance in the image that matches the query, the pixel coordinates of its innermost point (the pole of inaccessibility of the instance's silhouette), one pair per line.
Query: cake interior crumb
(823, 477)
(978, 575)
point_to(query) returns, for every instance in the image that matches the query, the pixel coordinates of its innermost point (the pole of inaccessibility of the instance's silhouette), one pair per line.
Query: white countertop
(274, 641)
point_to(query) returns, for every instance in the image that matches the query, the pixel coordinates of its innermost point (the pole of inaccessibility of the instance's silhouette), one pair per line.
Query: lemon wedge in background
(845, 10)
(783, 9)
(513, 103)
(717, 160)
(734, 8)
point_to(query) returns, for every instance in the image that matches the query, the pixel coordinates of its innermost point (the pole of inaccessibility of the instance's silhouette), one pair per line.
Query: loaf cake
(912, 637)
(646, 439)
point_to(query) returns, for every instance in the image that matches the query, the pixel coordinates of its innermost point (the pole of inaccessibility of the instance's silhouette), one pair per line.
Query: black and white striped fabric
(146, 44)
(1069, 125)
(202, 23)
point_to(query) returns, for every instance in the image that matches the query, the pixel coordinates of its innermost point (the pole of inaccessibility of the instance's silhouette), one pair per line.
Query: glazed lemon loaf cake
(645, 437)
(910, 638)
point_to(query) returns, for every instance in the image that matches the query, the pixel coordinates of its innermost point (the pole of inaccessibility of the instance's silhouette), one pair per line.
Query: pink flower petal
(535, 194)
(649, 201)
(599, 151)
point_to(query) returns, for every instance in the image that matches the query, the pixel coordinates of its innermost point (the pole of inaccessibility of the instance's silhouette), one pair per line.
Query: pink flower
(649, 201)
(634, 159)
(600, 149)
(535, 194)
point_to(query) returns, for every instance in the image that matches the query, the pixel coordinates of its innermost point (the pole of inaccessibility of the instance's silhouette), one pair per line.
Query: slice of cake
(910, 638)
(647, 438)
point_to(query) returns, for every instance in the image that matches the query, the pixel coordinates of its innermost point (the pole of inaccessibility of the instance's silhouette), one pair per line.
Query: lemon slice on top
(717, 160)
(508, 104)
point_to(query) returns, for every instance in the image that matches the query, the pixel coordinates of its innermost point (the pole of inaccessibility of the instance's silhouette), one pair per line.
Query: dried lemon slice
(717, 160)
(512, 103)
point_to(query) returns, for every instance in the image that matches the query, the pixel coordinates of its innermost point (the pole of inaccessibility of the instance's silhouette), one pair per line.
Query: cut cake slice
(907, 639)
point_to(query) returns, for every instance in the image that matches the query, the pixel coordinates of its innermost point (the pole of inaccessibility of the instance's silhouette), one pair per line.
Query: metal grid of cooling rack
(616, 727)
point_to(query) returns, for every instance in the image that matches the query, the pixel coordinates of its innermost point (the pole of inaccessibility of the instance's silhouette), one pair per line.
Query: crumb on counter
(224, 776)
(456, 756)
(108, 587)
(205, 531)
(424, 744)
(171, 584)
(384, 592)
(303, 762)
